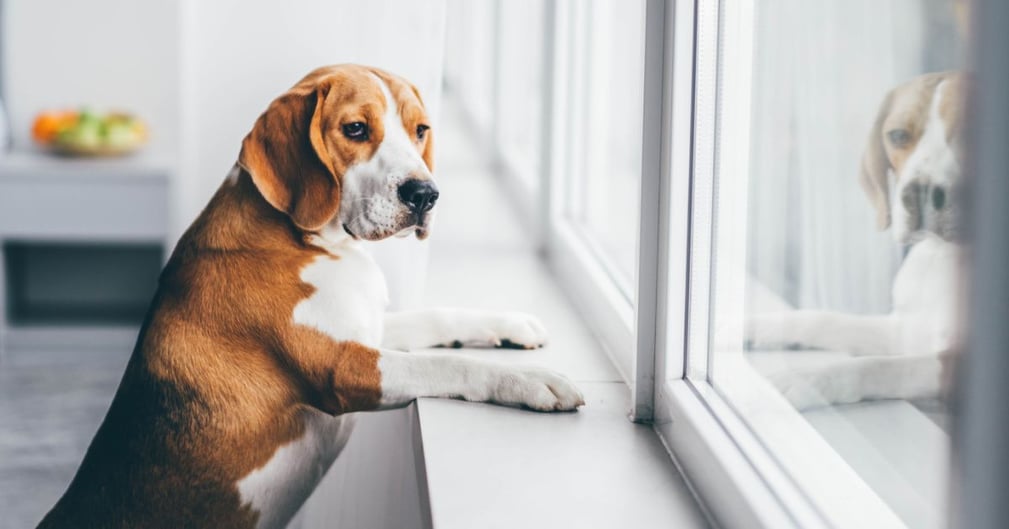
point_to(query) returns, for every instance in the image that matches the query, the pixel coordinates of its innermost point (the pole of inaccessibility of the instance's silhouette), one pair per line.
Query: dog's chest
(348, 303)
(350, 296)
(925, 293)
(927, 279)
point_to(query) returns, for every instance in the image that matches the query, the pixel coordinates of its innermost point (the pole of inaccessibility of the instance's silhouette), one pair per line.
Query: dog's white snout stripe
(932, 165)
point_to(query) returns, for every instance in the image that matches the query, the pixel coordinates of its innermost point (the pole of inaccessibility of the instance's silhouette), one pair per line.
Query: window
(604, 103)
(469, 60)
(714, 175)
(521, 45)
(596, 125)
(566, 132)
(792, 339)
(495, 57)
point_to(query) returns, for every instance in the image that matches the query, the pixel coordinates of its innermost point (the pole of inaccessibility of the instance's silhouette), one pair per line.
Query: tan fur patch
(909, 111)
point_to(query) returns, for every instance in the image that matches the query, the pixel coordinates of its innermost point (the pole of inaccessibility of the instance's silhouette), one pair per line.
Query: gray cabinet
(81, 244)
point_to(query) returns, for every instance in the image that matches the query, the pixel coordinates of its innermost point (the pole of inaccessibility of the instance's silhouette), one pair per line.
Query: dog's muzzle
(931, 208)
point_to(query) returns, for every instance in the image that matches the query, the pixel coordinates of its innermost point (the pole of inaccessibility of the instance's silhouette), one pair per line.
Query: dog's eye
(357, 131)
(422, 131)
(899, 137)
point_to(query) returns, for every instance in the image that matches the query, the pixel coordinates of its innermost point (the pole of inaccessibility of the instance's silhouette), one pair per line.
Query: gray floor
(51, 403)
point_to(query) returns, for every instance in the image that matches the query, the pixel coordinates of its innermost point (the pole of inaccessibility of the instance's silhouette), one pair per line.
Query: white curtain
(820, 71)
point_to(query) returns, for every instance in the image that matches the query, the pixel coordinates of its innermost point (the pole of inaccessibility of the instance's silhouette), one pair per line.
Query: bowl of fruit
(87, 133)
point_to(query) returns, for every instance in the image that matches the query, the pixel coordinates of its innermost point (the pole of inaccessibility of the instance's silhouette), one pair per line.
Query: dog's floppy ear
(287, 158)
(876, 167)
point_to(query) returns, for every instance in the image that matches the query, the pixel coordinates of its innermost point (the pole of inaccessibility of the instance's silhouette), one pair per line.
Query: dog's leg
(865, 378)
(415, 329)
(889, 334)
(406, 377)
(352, 377)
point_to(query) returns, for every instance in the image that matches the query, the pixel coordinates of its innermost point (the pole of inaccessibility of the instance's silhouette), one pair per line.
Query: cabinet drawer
(117, 209)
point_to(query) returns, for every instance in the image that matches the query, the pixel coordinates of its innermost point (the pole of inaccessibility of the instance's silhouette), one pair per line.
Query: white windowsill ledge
(448, 464)
(490, 466)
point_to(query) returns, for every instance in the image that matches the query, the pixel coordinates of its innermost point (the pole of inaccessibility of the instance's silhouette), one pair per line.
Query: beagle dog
(912, 174)
(268, 325)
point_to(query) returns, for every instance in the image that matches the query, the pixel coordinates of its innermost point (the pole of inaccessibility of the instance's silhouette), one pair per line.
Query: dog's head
(916, 144)
(347, 148)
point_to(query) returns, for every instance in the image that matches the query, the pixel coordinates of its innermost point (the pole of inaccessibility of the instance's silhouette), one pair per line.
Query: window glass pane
(469, 52)
(836, 239)
(605, 130)
(520, 81)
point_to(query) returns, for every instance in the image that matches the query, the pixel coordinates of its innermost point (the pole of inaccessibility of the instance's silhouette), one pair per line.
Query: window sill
(446, 464)
(871, 437)
(489, 466)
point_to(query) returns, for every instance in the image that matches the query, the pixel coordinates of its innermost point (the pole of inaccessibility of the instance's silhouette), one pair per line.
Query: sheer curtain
(820, 71)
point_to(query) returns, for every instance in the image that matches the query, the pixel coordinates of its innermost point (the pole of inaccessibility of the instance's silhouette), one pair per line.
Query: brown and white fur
(269, 323)
(915, 148)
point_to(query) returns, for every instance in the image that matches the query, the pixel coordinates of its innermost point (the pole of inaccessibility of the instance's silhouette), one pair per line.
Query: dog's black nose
(938, 197)
(418, 195)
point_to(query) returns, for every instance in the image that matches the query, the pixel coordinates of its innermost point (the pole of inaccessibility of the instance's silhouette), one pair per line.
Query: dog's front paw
(798, 390)
(537, 389)
(807, 389)
(509, 330)
(519, 331)
(769, 331)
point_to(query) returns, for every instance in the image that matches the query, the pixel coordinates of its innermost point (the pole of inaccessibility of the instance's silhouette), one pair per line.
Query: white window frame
(737, 477)
(578, 264)
(482, 109)
(570, 255)
(659, 341)
(521, 177)
(587, 279)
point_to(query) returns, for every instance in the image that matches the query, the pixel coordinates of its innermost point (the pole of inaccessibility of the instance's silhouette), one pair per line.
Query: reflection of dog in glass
(911, 172)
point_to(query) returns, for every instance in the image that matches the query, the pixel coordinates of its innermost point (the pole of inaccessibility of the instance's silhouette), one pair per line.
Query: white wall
(109, 54)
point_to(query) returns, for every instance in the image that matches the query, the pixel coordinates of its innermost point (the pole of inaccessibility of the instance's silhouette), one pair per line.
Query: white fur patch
(414, 329)
(279, 488)
(407, 376)
(350, 297)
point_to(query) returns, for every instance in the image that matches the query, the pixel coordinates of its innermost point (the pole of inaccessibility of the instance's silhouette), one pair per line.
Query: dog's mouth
(423, 225)
(347, 229)
(421, 229)
(418, 225)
